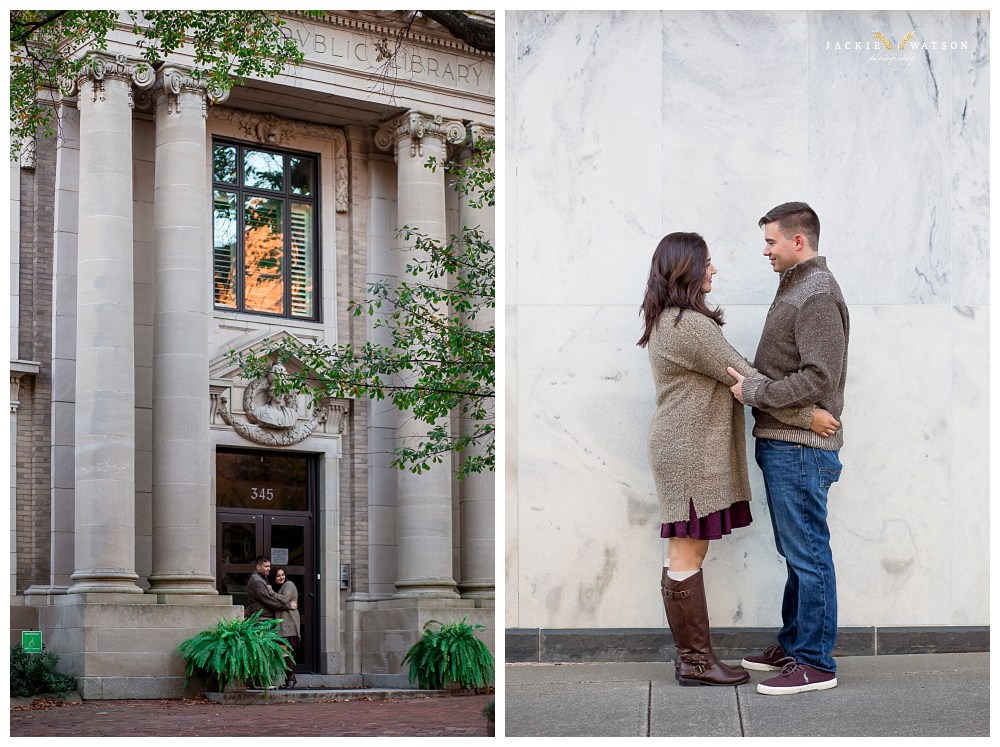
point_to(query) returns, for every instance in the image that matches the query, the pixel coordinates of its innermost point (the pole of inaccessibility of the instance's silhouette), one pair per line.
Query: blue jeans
(797, 479)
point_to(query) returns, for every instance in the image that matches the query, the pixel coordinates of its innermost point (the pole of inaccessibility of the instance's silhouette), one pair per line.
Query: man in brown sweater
(803, 354)
(260, 597)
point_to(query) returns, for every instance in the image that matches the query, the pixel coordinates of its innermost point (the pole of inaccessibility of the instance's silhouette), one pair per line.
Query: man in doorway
(803, 354)
(261, 596)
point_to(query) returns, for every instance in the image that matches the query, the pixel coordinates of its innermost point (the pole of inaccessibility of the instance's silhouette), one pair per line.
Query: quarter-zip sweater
(802, 353)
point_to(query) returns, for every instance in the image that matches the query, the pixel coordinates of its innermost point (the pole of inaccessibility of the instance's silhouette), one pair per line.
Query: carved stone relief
(15, 386)
(137, 73)
(27, 156)
(479, 131)
(171, 80)
(415, 126)
(272, 416)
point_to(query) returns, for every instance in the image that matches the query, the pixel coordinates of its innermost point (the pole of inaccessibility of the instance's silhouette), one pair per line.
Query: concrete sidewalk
(939, 695)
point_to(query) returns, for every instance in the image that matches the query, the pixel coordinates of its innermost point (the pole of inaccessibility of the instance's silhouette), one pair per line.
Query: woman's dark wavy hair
(675, 279)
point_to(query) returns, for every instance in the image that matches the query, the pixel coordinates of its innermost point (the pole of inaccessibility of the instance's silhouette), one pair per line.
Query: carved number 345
(262, 494)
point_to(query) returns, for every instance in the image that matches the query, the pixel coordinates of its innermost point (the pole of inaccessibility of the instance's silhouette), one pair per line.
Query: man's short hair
(793, 218)
(261, 559)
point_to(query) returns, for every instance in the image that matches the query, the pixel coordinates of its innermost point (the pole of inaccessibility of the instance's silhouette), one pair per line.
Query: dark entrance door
(265, 504)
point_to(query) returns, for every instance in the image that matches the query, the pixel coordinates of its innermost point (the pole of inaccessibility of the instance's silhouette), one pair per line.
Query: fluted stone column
(182, 278)
(105, 371)
(424, 504)
(478, 574)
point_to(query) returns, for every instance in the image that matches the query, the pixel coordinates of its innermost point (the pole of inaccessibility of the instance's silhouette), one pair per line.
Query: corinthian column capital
(414, 127)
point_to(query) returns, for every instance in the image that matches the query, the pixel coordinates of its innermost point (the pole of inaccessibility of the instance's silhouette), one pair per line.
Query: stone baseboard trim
(545, 645)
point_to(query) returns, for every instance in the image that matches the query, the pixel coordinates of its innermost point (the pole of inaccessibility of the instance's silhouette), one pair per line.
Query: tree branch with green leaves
(49, 48)
(441, 357)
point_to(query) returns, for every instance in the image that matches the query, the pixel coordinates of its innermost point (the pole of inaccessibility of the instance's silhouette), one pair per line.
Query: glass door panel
(240, 541)
(288, 539)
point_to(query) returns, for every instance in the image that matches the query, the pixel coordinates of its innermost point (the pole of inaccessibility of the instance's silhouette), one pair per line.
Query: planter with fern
(450, 654)
(236, 653)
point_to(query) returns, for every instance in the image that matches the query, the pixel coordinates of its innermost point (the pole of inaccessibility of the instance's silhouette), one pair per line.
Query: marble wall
(623, 127)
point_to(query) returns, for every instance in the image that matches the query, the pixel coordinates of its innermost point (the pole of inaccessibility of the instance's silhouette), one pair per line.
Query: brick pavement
(458, 716)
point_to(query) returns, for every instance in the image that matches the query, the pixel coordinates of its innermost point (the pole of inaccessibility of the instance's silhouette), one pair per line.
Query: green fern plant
(247, 650)
(452, 653)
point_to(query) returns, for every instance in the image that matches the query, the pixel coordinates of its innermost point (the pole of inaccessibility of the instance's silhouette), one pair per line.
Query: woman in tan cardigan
(697, 449)
(290, 621)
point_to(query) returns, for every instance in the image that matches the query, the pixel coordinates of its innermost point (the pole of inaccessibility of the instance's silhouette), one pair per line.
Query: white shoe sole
(771, 690)
(757, 667)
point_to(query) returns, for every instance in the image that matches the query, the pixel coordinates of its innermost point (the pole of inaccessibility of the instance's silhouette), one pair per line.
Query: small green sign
(31, 641)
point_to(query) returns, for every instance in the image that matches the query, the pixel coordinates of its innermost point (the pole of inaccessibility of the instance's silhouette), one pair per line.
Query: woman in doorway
(697, 447)
(290, 622)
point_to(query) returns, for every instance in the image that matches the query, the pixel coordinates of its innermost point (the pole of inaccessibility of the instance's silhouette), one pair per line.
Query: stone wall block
(62, 511)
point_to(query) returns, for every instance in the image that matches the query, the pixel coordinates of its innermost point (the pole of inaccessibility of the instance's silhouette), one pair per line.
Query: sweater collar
(802, 269)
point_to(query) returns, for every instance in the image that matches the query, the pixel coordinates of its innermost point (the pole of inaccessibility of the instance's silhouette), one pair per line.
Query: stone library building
(162, 232)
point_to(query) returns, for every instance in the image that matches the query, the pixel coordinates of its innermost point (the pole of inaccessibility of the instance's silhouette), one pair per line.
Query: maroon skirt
(712, 526)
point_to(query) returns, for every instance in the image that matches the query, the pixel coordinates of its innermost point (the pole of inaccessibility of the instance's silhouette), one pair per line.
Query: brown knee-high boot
(687, 614)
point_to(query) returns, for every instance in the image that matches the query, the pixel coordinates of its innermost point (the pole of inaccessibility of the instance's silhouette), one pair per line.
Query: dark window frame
(287, 197)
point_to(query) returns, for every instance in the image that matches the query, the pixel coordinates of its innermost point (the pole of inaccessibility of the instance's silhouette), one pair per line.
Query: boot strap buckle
(697, 663)
(676, 594)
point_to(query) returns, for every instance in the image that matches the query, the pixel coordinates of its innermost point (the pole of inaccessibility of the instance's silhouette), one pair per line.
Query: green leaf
(439, 358)
(227, 46)
(248, 649)
(451, 653)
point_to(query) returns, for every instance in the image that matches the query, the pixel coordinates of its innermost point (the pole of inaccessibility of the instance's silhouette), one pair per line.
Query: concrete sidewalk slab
(580, 709)
(698, 711)
(909, 695)
(927, 695)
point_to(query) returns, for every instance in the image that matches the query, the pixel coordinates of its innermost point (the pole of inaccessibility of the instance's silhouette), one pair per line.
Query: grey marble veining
(733, 142)
(586, 142)
(881, 153)
(970, 188)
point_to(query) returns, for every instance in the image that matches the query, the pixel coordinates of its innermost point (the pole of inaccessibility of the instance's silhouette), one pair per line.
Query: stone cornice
(385, 23)
(382, 24)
